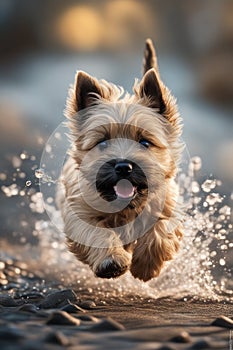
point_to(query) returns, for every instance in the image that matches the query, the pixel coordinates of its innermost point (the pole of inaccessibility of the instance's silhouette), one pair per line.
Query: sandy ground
(162, 324)
(37, 315)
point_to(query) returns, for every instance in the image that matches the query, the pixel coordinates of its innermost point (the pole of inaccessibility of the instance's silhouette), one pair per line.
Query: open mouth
(125, 190)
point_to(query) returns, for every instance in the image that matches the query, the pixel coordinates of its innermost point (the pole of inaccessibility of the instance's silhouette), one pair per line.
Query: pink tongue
(124, 189)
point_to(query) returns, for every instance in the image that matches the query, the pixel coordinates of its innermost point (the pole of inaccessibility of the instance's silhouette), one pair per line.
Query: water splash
(201, 270)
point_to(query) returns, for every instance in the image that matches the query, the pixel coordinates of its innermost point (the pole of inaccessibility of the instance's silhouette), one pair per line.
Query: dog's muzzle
(120, 179)
(123, 169)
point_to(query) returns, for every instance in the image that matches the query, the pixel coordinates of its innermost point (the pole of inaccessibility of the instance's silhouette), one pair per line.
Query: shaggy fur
(140, 133)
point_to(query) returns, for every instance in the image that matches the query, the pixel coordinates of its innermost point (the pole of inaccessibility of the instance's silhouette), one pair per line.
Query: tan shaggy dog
(118, 196)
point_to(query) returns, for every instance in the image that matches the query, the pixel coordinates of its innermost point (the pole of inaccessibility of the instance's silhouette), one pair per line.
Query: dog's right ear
(87, 90)
(150, 58)
(151, 91)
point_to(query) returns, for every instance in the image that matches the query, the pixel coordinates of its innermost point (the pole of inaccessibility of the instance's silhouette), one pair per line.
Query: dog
(118, 195)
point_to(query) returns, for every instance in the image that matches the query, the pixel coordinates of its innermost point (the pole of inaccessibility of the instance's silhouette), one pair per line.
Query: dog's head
(127, 147)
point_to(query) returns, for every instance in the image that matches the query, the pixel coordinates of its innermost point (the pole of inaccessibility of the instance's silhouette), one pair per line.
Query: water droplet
(55, 245)
(195, 187)
(22, 175)
(213, 253)
(48, 148)
(218, 226)
(23, 155)
(225, 210)
(208, 185)
(39, 173)
(16, 162)
(11, 190)
(58, 135)
(37, 204)
(196, 163)
(196, 200)
(23, 239)
(214, 198)
(28, 183)
(222, 262)
(49, 200)
(40, 140)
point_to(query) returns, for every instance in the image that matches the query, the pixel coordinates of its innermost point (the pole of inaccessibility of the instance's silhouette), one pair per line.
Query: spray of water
(201, 270)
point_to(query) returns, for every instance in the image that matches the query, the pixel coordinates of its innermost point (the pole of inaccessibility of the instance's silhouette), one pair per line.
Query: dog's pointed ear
(151, 91)
(150, 58)
(87, 90)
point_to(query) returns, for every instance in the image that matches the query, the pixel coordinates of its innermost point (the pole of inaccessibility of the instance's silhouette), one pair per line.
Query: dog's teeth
(124, 189)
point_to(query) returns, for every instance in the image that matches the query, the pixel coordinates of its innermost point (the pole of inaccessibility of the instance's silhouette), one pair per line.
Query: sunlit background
(43, 43)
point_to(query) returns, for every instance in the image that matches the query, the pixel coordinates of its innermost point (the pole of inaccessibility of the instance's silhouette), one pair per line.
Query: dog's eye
(145, 143)
(102, 145)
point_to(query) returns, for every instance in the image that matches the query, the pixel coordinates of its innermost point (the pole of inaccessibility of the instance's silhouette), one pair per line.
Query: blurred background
(43, 43)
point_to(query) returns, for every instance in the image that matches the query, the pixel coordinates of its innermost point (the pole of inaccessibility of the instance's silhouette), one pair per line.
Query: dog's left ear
(87, 90)
(151, 91)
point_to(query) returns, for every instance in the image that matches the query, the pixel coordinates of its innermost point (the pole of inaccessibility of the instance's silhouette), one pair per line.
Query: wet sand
(36, 314)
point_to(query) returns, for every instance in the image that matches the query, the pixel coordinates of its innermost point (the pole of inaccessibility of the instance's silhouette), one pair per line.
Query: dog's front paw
(110, 268)
(143, 272)
(145, 264)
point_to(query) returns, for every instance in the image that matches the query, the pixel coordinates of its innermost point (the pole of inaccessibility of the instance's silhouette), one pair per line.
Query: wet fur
(102, 246)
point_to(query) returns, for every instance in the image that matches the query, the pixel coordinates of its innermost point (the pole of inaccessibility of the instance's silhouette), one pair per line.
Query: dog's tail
(150, 58)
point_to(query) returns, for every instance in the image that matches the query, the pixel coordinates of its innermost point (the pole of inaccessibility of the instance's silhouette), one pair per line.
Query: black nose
(123, 168)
